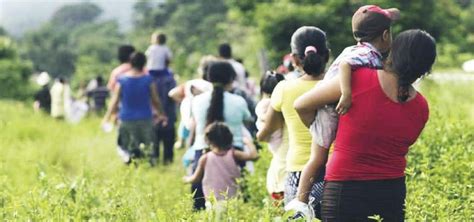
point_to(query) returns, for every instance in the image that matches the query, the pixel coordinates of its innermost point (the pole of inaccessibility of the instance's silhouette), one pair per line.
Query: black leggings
(357, 200)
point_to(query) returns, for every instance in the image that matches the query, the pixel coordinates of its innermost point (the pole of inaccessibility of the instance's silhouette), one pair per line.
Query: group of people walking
(339, 136)
(349, 128)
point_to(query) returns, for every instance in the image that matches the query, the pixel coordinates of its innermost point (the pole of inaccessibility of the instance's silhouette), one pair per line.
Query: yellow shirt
(283, 97)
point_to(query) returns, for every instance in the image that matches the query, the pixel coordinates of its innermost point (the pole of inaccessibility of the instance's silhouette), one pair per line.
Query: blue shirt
(135, 98)
(235, 113)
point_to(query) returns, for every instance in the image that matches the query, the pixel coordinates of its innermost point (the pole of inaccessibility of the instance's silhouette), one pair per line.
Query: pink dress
(220, 174)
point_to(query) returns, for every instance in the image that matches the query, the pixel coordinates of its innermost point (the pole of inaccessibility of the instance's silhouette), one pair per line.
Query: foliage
(14, 72)
(77, 175)
(72, 37)
(73, 15)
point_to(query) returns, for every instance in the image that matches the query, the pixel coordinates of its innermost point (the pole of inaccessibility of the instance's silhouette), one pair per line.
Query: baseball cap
(370, 21)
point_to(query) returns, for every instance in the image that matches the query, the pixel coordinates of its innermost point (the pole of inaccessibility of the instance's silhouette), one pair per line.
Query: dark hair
(124, 53)
(412, 56)
(219, 135)
(220, 73)
(313, 62)
(138, 60)
(100, 80)
(225, 51)
(161, 38)
(269, 81)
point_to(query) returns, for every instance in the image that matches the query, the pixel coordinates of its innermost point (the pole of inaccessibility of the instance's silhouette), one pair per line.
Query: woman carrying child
(310, 54)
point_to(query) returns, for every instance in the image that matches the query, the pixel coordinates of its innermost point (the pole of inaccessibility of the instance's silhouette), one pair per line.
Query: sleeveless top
(374, 136)
(220, 174)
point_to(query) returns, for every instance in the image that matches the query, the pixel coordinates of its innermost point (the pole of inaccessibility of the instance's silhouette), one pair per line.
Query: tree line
(76, 44)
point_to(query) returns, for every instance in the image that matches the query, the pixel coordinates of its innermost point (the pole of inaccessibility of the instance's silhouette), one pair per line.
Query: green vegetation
(77, 44)
(50, 170)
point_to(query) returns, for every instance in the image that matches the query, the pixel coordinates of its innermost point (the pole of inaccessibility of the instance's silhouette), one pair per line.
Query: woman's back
(374, 136)
(283, 97)
(235, 113)
(135, 98)
(220, 174)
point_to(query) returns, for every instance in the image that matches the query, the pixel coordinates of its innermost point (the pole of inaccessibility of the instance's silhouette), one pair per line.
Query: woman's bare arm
(113, 104)
(274, 121)
(323, 94)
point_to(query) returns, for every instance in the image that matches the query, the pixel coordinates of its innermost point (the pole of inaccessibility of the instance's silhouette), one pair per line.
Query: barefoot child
(218, 169)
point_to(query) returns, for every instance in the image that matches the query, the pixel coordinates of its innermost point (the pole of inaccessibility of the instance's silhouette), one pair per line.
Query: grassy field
(50, 170)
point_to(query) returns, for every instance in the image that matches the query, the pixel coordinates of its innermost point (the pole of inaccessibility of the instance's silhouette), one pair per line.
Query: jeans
(357, 200)
(168, 136)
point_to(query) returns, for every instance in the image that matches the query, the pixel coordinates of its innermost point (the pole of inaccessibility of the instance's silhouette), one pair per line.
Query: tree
(14, 72)
(73, 15)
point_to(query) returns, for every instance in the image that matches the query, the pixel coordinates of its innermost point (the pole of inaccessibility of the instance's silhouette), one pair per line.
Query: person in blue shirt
(136, 93)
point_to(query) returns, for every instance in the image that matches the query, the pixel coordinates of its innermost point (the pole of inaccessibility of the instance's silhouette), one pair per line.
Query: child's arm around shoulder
(199, 173)
(345, 101)
(245, 156)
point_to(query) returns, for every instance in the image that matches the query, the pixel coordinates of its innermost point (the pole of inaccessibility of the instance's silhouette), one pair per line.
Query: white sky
(18, 16)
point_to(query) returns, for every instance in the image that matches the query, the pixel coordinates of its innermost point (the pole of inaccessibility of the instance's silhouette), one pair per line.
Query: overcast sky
(18, 16)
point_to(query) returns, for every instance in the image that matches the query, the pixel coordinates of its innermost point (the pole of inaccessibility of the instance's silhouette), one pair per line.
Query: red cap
(370, 21)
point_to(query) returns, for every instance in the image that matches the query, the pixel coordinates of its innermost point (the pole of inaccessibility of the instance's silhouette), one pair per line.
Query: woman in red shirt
(365, 174)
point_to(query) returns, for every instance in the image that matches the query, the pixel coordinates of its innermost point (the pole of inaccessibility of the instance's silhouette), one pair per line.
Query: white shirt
(240, 71)
(157, 56)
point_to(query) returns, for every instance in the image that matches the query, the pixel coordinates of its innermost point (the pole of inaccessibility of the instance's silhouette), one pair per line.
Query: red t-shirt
(373, 137)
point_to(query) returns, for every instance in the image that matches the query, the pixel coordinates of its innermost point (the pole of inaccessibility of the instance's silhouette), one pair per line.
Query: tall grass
(51, 170)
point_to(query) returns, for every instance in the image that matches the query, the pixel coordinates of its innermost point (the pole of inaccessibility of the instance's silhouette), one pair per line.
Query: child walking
(218, 169)
(278, 142)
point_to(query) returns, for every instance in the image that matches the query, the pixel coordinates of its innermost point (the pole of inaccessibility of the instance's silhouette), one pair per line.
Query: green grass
(50, 170)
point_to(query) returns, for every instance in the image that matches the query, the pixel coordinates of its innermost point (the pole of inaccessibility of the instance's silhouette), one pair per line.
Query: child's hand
(344, 104)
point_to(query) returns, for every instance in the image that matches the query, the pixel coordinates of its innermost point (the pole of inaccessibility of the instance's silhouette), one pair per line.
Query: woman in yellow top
(309, 55)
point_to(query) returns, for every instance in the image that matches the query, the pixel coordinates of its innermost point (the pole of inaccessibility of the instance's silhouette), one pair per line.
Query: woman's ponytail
(220, 74)
(216, 109)
(309, 44)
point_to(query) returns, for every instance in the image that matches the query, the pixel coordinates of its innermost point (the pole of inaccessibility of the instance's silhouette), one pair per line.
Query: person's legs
(291, 187)
(168, 142)
(388, 199)
(316, 194)
(155, 154)
(196, 188)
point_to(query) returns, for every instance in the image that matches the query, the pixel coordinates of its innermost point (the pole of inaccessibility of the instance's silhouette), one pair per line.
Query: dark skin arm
(113, 104)
(306, 105)
(273, 121)
(319, 96)
(311, 171)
